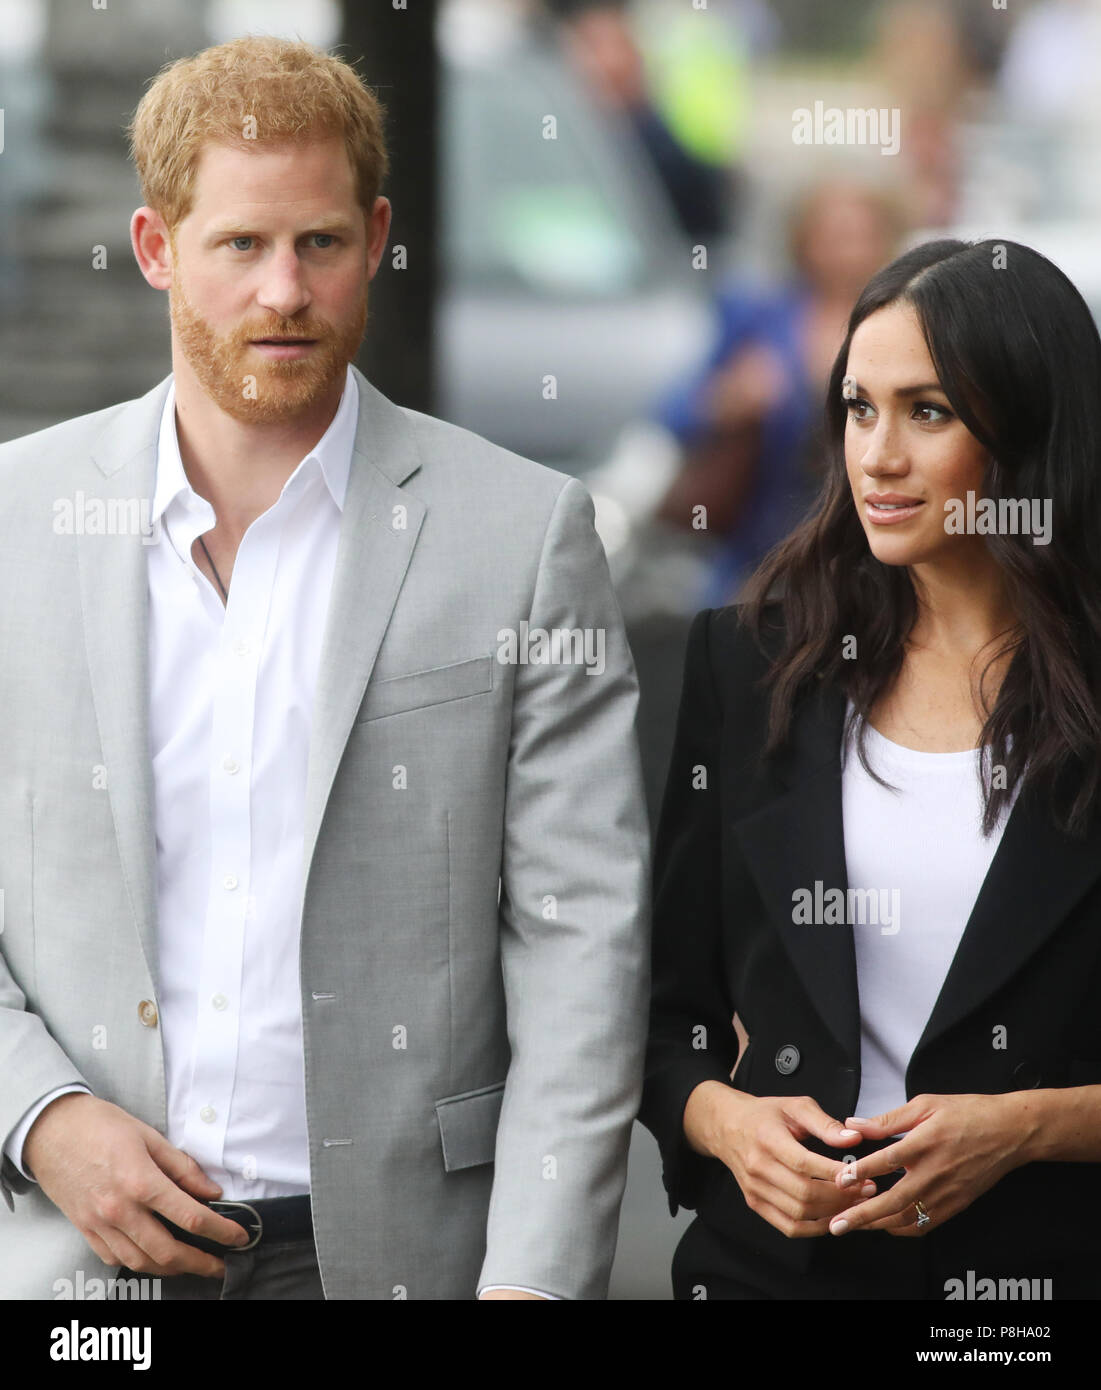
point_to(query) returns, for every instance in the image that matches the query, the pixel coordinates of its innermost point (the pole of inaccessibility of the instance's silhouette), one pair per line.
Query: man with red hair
(325, 954)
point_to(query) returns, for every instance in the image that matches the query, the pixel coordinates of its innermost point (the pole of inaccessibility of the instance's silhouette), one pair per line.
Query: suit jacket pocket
(468, 1126)
(435, 686)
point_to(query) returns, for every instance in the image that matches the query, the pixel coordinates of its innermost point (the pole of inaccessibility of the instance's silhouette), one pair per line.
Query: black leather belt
(270, 1219)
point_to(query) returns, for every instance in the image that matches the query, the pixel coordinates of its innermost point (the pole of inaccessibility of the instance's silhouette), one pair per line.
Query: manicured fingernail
(850, 1134)
(838, 1226)
(858, 1120)
(868, 1188)
(847, 1179)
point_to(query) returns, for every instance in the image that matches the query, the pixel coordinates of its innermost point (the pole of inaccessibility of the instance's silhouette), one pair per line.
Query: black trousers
(870, 1265)
(860, 1265)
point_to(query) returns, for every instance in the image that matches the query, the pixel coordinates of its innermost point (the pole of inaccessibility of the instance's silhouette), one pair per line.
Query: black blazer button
(1026, 1076)
(787, 1059)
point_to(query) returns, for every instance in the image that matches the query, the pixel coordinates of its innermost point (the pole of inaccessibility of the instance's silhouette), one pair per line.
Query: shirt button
(231, 765)
(242, 648)
(208, 1114)
(787, 1059)
(219, 1001)
(230, 881)
(147, 1013)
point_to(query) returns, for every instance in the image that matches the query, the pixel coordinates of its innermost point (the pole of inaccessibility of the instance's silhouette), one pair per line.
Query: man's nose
(284, 289)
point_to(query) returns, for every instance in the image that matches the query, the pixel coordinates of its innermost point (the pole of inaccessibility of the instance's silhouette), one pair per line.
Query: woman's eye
(856, 408)
(939, 412)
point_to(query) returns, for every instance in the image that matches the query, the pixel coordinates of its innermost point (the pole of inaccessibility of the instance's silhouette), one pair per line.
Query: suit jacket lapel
(115, 596)
(1034, 880)
(379, 529)
(796, 841)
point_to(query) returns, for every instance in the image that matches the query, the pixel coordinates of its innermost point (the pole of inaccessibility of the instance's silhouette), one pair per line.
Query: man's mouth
(284, 349)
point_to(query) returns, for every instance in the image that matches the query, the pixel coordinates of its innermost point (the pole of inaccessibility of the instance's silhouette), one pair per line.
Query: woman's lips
(890, 514)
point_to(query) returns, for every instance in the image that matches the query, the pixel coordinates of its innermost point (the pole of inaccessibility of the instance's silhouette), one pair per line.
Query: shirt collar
(333, 451)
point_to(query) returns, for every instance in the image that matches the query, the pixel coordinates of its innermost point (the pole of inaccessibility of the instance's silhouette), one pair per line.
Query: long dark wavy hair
(1018, 356)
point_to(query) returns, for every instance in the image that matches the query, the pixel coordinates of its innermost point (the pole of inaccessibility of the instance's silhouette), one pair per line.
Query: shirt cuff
(521, 1288)
(13, 1145)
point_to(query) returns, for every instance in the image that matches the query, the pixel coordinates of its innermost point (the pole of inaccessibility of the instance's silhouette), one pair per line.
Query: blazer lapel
(114, 590)
(797, 841)
(379, 530)
(1036, 877)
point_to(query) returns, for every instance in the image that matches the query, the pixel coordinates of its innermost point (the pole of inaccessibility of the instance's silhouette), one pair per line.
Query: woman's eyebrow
(916, 390)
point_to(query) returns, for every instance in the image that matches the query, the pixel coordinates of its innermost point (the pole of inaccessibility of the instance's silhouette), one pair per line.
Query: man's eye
(237, 239)
(326, 237)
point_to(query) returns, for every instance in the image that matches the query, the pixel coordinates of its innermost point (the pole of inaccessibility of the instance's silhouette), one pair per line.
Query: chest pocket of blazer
(419, 689)
(468, 1126)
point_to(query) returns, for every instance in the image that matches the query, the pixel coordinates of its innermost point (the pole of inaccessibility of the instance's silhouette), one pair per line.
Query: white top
(921, 851)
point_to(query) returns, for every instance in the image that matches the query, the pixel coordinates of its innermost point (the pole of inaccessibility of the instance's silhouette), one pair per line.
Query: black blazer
(728, 857)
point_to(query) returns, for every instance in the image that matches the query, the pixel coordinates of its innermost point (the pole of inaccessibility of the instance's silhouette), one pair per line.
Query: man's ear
(152, 243)
(378, 230)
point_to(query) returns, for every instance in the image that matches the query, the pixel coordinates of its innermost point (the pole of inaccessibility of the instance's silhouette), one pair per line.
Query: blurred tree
(393, 45)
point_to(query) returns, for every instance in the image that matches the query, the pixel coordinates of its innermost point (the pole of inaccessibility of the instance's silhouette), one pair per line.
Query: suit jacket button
(787, 1059)
(1026, 1076)
(147, 1013)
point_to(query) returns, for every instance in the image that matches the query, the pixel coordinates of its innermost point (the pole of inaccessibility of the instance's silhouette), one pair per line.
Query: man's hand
(956, 1147)
(757, 1137)
(108, 1172)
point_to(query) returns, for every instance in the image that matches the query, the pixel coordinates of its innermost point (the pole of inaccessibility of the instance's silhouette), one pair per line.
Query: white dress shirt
(231, 701)
(923, 843)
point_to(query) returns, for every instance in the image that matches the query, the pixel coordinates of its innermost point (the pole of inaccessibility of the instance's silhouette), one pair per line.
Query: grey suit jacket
(474, 946)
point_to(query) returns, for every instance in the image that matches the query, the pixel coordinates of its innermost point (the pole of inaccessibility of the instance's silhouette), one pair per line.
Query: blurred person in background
(747, 419)
(921, 58)
(600, 42)
(1049, 71)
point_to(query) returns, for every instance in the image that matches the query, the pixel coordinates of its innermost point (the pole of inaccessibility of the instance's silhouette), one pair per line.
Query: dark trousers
(874, 1265)
(286, 1269)
(860, 1265)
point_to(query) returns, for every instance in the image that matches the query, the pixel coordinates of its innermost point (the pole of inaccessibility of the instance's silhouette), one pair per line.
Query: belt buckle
(257, 1228)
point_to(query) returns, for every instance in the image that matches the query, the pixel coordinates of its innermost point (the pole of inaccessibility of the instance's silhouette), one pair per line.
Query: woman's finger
(810, 1116)
(901, 1155)
(803, 1198)
(896, 1201)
